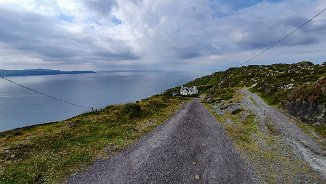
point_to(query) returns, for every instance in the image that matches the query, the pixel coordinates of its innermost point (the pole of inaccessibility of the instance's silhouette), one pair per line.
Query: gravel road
(191, 147)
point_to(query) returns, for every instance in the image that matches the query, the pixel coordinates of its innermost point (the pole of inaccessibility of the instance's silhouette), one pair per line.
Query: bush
(133, 110)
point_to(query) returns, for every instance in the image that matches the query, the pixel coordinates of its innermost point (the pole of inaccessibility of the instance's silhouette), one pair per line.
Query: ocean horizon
(20, 107)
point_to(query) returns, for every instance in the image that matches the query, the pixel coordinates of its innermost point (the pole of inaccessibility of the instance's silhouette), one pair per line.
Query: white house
(188, 91)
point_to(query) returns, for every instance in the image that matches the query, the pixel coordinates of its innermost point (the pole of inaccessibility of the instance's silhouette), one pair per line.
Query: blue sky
(162, 34)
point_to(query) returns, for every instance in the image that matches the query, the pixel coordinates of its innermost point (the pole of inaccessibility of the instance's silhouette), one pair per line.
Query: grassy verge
(49, 153)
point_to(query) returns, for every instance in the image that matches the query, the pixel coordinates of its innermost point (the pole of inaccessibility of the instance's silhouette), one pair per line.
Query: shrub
(133, 110)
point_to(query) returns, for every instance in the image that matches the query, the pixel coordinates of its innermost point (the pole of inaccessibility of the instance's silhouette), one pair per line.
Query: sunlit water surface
(20, 107)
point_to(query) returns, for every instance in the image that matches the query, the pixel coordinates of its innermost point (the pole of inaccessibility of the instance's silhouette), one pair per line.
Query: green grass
(50, 153)
(321, 130)
(253, 100)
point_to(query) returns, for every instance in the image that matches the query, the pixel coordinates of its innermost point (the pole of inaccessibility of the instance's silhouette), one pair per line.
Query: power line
(81, 106)
(46, 95)
(288, 35)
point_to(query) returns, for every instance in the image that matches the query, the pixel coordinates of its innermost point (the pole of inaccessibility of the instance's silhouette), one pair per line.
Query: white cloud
(154, 34)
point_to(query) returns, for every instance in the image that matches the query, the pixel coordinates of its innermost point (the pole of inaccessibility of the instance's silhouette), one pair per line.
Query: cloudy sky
(157, 34)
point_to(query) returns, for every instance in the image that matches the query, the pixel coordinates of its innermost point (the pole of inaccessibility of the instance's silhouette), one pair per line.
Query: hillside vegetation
(49, 153)
(298, 88)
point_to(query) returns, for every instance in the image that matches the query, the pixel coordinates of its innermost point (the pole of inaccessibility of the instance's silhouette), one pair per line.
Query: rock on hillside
(309, 102)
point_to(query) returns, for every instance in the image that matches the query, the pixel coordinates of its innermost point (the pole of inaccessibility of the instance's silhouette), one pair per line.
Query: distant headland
(29, 72)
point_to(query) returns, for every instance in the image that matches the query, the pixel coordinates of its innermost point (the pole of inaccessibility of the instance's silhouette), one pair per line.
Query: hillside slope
(51, 152)
(297, 88)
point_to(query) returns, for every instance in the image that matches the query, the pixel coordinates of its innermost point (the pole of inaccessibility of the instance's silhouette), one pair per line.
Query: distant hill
(29, 72)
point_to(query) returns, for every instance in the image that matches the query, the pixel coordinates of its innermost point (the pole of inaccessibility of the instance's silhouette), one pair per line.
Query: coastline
(38, 72)
(40, 152)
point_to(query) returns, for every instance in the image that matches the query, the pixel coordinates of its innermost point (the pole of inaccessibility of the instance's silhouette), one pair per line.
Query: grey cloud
(260, 34)
(34, 34)
(161, 32)
(188, 54)
(117, 56)
(102, 7)
(315, 29)
(293, 21)
(187, 31)
(197, 49)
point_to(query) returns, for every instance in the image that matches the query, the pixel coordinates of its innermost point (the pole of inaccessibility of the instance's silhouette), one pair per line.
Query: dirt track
(308, 148)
